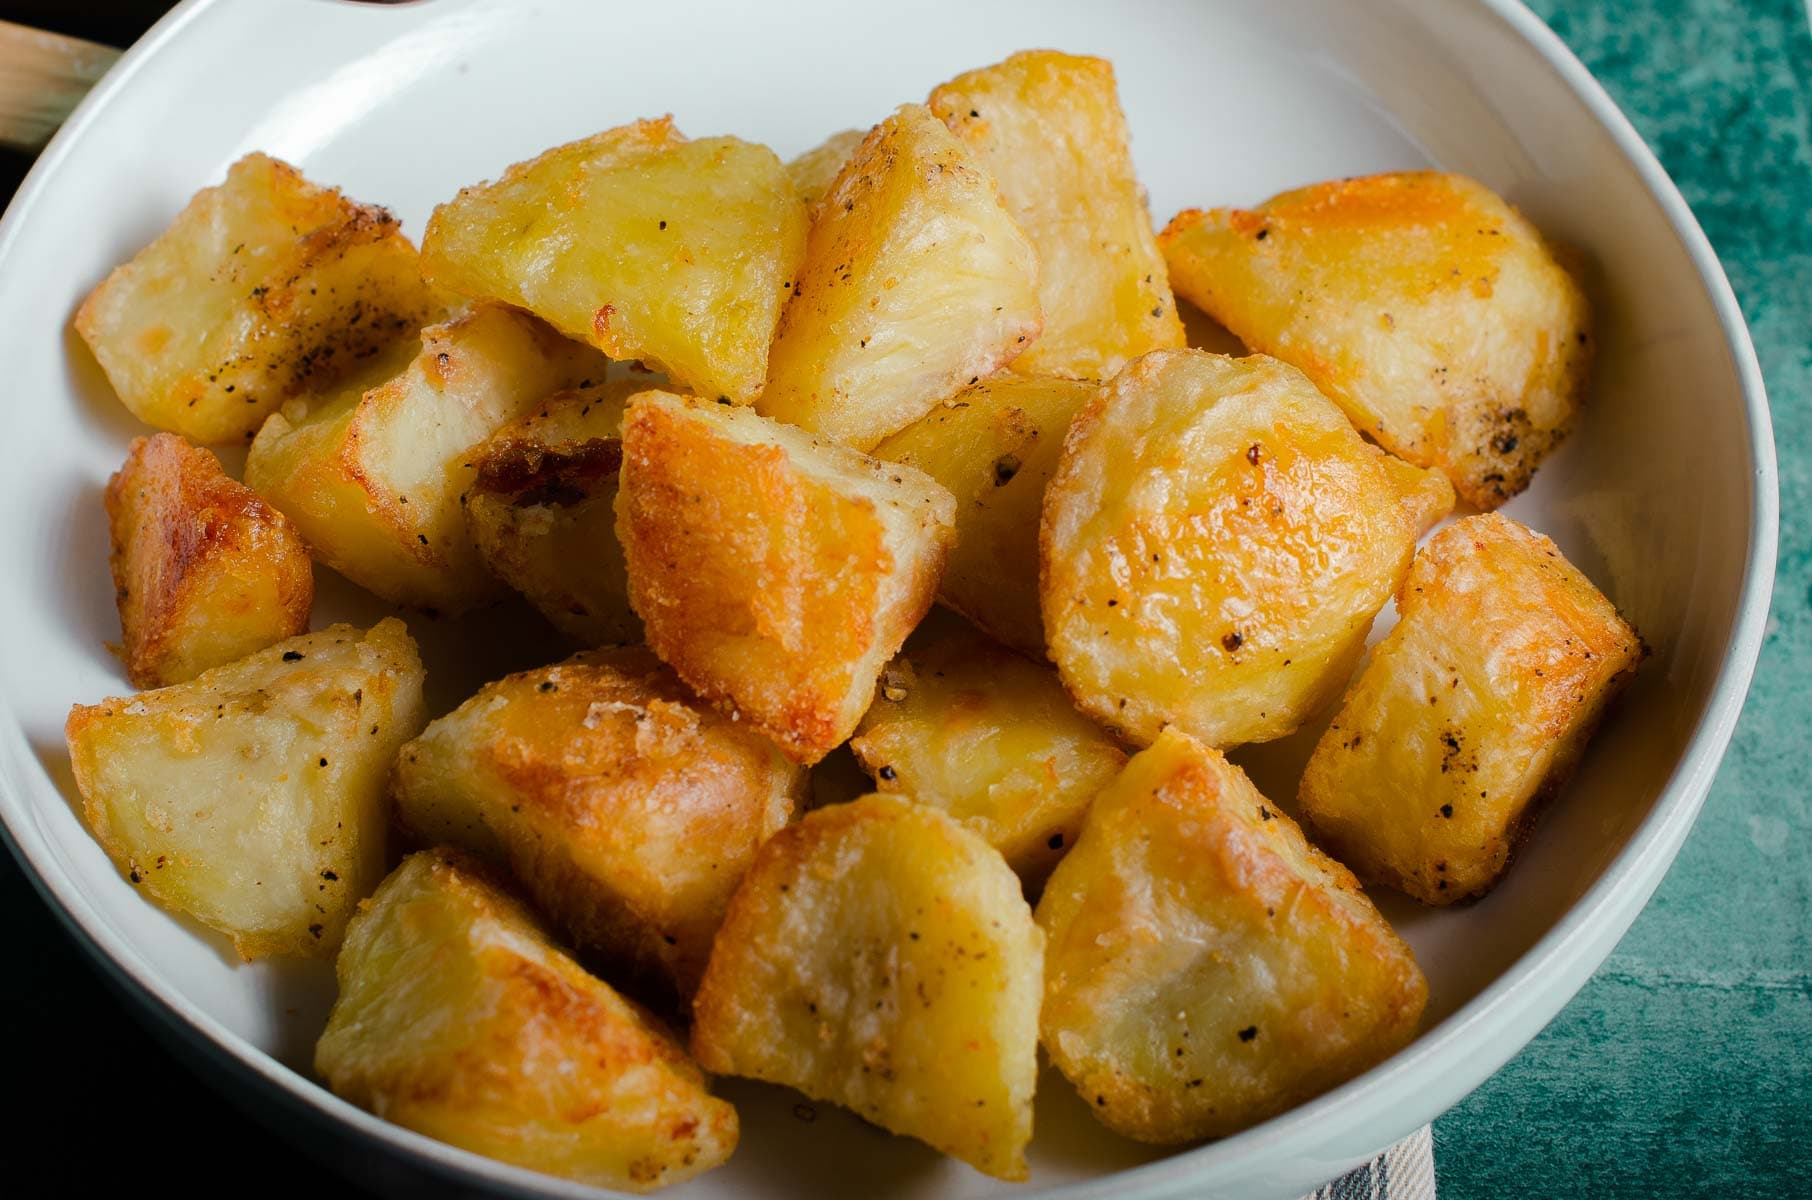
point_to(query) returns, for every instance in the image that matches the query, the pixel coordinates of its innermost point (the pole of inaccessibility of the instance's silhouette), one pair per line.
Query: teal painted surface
(1685, 1067)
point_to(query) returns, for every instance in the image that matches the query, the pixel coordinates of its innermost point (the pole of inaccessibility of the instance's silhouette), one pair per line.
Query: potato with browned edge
(1049, 127)
(542, 511)
(1425, 306)
(459, 1018)
(264, 287)
(1205, 967)
(967, 726)
(253, 797)
(916, 282)
(1216, 543)
(817, 169)
(204, 571)
(776, 572)
(1471, 712)
(995, 446)
(628, 809)
(640, 242)
(373, 474)
(880, 956)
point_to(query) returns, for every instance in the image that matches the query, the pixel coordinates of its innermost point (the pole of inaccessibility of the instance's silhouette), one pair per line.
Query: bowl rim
(1566, 954)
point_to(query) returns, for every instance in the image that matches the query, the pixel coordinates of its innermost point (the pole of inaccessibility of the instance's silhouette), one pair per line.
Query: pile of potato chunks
(939, 361)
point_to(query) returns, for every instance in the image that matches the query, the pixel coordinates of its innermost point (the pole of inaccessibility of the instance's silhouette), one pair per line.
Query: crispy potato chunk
(205, 572)
(252, 797)
(373, 473)
(1425, 306)
(880, 956)
(542, 511)
(995, 446)
(1472, 711)
(640, 242)
(627, 809)
(459, 1019)
(817, 169)
(1208, 968)
(776, 572)
(965, 725)
(1049, 127)
(916, 281)
(264, 287)
(1215, 545)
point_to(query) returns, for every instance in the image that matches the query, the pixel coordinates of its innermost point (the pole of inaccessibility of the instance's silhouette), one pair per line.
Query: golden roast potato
(816, 170)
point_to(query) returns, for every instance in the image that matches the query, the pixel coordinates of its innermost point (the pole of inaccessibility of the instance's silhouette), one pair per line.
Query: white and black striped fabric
(1404, 1172)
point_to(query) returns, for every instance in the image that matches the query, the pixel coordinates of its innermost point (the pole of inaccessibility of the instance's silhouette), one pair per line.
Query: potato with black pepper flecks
(458, 1018)
(775, 571)
(640, 242)
(916, 282)
(204, 571)
(817, 169)
(542, 511)
(965, 725)
(879, 955)
(1430, 310)
(373, 473)
(1049, 126)
(627, 809)
(264, 287)
(1216, 543)
(995, 446)
(1473, 709)
(253, 797)
(1205, 967)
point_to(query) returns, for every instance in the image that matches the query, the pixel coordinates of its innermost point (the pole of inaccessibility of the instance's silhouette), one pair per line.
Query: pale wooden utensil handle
(42, 77)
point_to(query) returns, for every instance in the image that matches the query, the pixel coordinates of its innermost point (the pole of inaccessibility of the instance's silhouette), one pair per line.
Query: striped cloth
(1404, 1172)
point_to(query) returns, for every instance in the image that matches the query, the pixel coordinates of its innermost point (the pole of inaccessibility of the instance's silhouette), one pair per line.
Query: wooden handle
(42, 77)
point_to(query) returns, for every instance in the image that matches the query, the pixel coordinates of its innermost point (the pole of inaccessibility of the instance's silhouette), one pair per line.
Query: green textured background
(1685, 1066)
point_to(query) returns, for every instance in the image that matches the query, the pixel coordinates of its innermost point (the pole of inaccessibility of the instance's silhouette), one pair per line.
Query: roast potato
(542, 511)
(995, 446)
(961, 723)
(640, 242)
(373, 473)
(1430, 310)
(1206, 967)
(628, 810)
(816, 170)
(777, 573)
(252, 798)
(916, 282)
(1470, 712)
(879, 955)
(204, 571)
(459, 1019)
(1215, 544)
(1049, 127)
(264, 287)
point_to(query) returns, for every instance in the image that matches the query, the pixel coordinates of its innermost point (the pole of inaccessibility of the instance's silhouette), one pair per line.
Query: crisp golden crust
(628, 809)
(775, 572)
(1470, 712)
(252, 797)
(967, 726)
(1430, 310)
(916, 281)
(542, 511)
(204, 571)
(1206, 967)
(995, 446)
(640, 242)
(458, 1018)
(880, 956)
(373, 474)
(1049, 127)
(263, 287)
(814, 172)
(1215, 544)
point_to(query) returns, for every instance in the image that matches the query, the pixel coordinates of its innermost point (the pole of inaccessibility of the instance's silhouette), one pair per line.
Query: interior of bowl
(1228, 102)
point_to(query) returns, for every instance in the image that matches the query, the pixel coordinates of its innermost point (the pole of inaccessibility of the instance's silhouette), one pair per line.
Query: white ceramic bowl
(1665, 495)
